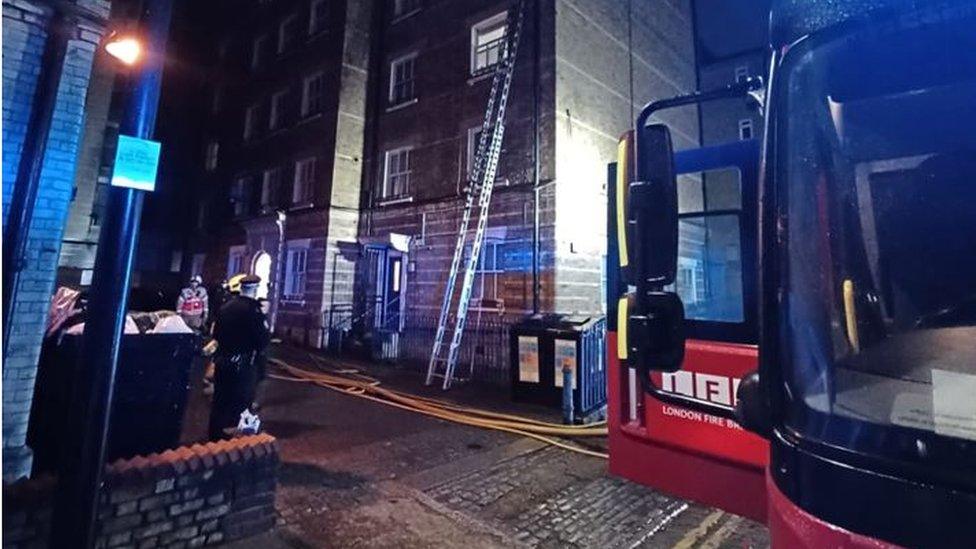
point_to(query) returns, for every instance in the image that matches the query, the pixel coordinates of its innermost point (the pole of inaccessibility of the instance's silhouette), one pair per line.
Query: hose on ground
(352, 382)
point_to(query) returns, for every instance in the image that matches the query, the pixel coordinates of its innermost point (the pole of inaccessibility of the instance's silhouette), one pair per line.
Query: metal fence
(484, 355)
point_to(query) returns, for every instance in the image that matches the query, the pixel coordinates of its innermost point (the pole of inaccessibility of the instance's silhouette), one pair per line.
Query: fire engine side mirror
(652, 213)
(654, 334)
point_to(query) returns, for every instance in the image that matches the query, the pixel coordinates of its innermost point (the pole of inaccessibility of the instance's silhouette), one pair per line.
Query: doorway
(262, 268)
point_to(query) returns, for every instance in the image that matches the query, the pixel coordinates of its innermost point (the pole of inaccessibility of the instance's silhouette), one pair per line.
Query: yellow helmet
(234, 283)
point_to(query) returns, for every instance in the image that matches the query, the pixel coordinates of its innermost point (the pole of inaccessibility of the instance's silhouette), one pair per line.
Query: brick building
(27, 30)
(395, 140)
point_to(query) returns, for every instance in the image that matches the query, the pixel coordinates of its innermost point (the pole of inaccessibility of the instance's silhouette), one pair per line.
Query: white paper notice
(954, 404)
(565, 356)
(528, 351)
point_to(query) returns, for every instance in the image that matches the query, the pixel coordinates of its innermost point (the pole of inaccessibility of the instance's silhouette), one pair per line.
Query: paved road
(359, 474)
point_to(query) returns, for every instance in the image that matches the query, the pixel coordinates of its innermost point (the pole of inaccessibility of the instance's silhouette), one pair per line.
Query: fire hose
(352, 382)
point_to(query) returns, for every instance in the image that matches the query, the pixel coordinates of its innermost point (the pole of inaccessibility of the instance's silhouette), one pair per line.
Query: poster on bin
(565, 354)
(528, 352)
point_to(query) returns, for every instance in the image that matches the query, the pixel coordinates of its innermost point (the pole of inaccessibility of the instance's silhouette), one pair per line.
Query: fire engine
(830, 286)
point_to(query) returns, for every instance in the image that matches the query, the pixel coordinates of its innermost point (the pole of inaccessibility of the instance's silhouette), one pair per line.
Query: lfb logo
(699, 386)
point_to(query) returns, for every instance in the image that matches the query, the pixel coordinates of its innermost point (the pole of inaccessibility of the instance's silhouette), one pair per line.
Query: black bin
(152, 382)
(541, 344)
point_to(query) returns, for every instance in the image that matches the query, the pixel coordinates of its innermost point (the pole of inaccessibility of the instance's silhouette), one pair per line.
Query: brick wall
(25, 30)
(193, 496)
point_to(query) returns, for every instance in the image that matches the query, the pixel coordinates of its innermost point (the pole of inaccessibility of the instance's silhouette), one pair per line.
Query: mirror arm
(719, 410)
(737, 89)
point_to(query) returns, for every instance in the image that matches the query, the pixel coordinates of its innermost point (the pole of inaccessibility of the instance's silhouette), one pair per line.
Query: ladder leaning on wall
(454, 310)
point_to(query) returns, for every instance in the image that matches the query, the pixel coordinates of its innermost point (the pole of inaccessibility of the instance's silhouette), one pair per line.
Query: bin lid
(558, 322)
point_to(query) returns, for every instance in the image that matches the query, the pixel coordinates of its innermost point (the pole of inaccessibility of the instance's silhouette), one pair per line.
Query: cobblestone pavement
(358, 474)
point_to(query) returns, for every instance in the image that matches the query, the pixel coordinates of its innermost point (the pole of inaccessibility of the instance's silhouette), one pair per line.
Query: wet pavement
(355, 473)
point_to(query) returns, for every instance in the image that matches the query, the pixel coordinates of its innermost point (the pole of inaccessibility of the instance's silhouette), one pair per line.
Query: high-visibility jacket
(193, 302)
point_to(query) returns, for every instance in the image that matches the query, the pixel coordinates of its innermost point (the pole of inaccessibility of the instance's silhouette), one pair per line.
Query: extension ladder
(482, 184)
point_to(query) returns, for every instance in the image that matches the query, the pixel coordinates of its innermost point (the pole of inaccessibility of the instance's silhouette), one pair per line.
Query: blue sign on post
(136, 162)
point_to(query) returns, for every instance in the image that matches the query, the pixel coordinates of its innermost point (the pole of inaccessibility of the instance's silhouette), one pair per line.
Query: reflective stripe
(622, 316)
(622, 165)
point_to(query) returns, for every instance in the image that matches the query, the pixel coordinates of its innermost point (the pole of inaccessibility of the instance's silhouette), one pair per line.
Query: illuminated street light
(127, 49)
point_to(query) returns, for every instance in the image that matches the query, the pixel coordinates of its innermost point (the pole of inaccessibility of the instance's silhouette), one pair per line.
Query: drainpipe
(536, 76)
(276, 281)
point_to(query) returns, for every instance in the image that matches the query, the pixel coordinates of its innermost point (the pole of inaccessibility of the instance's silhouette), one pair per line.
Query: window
(488, 43)
(176, 261)
(396, 183)
(312, 94)
(258, 51)
(490, 269)
(710, 254)
(317, 17)
(287, 33)
(235, 260)
(741, 73)
(238, 196)
(270, 183)
(250, 121)
(213, 151)
(296, 261)
(196, 264)
(745, 129)
(474, 137)
(402, 79)
(402, 8)
(277, 117)
(304, 183)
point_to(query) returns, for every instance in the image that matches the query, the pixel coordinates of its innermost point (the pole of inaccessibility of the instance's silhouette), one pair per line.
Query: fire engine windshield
(876, 192)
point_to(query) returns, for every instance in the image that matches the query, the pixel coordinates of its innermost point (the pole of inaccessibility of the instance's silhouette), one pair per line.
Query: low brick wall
(189, 497)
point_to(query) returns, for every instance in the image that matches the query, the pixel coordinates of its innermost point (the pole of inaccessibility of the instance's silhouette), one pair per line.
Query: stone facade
(390, 202)
(723, 120)
(26, 30)
(237, 227)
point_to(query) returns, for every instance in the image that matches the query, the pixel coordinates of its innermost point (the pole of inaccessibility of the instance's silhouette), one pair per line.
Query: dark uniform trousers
(242, 335)
(235, 382)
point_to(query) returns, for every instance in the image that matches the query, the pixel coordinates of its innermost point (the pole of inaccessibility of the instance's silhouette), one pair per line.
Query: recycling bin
(542, 345)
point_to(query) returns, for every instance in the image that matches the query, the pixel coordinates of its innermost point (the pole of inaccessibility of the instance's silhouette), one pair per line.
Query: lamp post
(84, 457)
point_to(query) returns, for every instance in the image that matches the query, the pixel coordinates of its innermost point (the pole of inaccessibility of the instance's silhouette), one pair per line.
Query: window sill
(309, 118)
(394, 201)
(484, 74)
(293, 301)
(403, 105)
(301, 206)
(407, 15)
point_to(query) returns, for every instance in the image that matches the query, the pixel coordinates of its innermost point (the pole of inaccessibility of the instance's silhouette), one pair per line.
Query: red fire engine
(796, 342)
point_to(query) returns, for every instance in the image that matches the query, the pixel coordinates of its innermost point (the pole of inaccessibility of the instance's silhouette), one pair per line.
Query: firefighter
(241, 331)
(193, 305)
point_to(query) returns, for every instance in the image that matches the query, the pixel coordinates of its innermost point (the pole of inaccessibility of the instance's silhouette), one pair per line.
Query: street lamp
(126, 48)
(83, 457)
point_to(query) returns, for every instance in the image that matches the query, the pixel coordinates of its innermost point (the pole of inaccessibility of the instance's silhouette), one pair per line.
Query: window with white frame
(296, 263)
(741, 73)
(312, 94)
(287, 33)
(474, 137)
(213, 153)
(304, 183)
(201, 216)
(277, 117)
(745, 129)
(489, 271)
(403, 8)
(238, 196)
(259, 49)
(402, 79)
(396, 181)
(489, 43)
(250, 121)
(317, 16)
(270, 182)
(235, 260)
